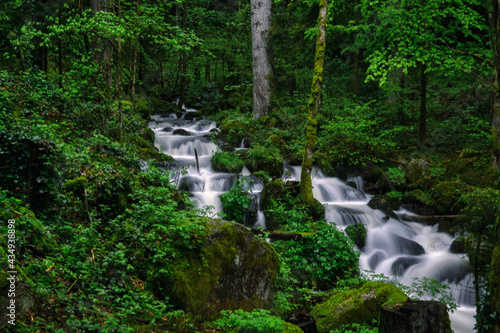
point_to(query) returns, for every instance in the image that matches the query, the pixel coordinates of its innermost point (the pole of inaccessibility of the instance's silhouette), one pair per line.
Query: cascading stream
(402, 250)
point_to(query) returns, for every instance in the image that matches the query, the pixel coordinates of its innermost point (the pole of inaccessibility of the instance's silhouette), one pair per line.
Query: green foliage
(324, 256)
(236, 201)
(257, 321)
(226, 162)
(424, 287)
(357, 328)
(353, 137)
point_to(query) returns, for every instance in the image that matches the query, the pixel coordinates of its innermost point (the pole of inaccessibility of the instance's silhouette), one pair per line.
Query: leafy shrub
(257, 321)
(323, 257)
(226, 162)
(236, 200)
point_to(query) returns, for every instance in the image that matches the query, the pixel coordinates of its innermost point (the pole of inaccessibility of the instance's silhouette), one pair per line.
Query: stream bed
(401, 250)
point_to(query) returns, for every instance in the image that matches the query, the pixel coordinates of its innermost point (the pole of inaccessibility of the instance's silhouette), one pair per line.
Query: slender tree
(306, 193)
(261, 55)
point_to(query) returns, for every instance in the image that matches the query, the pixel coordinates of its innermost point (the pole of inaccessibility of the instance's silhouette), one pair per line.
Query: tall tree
(262, 56)
(416, 34)
(306, 194)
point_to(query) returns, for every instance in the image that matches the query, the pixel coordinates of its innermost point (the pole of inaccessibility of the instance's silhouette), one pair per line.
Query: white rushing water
(400, 250)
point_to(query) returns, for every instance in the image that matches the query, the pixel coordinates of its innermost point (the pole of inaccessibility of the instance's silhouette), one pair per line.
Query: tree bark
(422, 130)
(182, 98)
(493, 14)
(306, 194)
(261, 56)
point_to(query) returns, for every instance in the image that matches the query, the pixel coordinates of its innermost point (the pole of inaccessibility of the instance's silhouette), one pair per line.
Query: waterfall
(400, 250)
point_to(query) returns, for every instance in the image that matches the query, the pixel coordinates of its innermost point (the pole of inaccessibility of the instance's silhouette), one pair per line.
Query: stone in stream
(385, 204)
(407, 246)
(402, 264)
(232, 270)
(181, 131)
(167, 129)
(357, 233)
(415, 317)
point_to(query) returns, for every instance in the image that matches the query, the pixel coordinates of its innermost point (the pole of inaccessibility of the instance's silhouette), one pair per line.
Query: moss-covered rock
(416, 171)
(415, 317)
(446, 197)
(233, 131)
(233, 270)
(266, 159)
(226, 162)
(273, 190)
(291, 328)
(357, 305)
(385, 204)
(357, 233)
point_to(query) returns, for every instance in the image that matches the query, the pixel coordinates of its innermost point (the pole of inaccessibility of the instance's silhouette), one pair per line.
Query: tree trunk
(306, 194)
(495, 279)
(493, 9)
(119, 75)
(495, 100)
(207, 73)
(422, 131)
(261, 61)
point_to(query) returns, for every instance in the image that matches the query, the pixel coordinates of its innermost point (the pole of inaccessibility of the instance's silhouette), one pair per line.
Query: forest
(249, 166)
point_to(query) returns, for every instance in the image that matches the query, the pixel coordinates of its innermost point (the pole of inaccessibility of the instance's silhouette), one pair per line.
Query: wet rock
(458, 245)
(232, 270)
(192, 115)
(357, 305)
(167, 129)
(181, 131)
(402, 264)
(357, 233)
(407, 246)
(415, 317)
(385, 204)
(376, 258)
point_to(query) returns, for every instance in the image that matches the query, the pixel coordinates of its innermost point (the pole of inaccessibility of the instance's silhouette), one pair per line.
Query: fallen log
(427, 219)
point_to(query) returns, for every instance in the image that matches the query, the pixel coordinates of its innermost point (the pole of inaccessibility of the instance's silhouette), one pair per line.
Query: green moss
(291, 328)
(76, 183)
(3, 280)
(357, 306)
(219, 276)
(446, 195)
(266, 159)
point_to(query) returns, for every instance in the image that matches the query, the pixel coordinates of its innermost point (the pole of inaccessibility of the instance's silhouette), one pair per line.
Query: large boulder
(233, 270)
(415, 317)
(360, 305)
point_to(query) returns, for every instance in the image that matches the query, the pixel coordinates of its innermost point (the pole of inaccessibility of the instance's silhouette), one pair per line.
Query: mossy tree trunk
(493, 9)
(261, 56)
(422, 131)
(306, 193)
